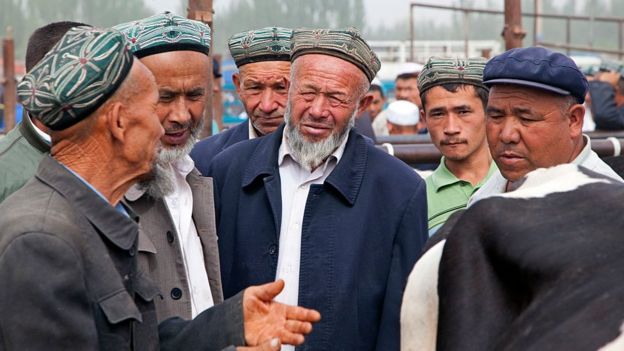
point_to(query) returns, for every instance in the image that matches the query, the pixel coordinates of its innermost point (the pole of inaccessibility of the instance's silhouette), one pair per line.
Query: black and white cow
(539, 268)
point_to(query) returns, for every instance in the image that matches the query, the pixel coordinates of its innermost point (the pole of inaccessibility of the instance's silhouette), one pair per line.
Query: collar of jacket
(115, 226)
(31, 135)
(346, 178)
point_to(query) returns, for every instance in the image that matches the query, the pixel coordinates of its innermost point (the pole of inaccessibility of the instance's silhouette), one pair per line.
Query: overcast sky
(377, 11)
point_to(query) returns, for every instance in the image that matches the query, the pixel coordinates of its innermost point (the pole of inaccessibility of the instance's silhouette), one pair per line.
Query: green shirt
(20, 152)
(447, 194)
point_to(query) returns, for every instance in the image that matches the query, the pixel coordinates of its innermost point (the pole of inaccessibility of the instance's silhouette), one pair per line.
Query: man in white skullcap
(403, 118)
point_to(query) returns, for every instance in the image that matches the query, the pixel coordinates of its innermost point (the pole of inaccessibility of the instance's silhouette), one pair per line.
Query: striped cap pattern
(345, 43)
(438, 71)
(265, 44)
(166, 32)
(76, 77)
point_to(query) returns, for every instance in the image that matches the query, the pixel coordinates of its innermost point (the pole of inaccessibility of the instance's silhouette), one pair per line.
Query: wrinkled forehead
(511, 93)
(270, 70)
(178, 65)
(327, 64)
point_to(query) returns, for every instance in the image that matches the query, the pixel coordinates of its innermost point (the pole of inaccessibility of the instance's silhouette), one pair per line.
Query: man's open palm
(265, 319)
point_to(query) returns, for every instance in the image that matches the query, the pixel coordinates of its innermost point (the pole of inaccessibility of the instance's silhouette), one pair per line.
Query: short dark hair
(405, 76)
(44, 38)
(480, 92)
(377, 88)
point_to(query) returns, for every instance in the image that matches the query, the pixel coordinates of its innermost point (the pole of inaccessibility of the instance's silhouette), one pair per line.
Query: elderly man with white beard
(178, 243)
(317, 205)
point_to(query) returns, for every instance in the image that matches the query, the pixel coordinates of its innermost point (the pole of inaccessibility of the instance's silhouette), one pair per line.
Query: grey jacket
(69, 274)
(159, 249)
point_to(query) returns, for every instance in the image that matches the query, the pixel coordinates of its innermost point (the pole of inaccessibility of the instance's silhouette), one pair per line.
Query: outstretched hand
(265, 319)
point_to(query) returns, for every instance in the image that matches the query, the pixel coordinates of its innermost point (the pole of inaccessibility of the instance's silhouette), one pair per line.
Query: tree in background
(244, 15)
(24, 16)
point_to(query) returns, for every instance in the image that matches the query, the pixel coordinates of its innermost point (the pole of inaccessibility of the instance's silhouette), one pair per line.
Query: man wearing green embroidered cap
(25, 145)
(454, 99)
(75, 243)
(263, 60)
(303, 203)
(179, 248)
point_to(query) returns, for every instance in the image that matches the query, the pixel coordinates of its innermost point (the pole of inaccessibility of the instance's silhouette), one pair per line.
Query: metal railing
(618, 21)
(415, 154)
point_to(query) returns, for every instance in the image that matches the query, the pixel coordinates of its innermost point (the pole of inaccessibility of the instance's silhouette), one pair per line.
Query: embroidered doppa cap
(265, 44)
(76, 77)
(539, 68)
(346, 43)
(166, 32)
(438, 71)
(403, 113)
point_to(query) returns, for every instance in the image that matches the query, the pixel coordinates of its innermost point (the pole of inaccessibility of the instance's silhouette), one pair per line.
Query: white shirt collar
(252, 130)
(585, 152)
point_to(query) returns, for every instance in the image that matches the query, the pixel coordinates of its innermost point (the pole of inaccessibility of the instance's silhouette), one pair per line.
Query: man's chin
(267, 128)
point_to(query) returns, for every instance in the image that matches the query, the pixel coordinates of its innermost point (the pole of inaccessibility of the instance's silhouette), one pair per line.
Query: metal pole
(537, 9)
(591, 24)
(620, 37)
(10, 95)
(411, 19)
(201, 10)
(568, 34)
(513, 32)
(466, 34)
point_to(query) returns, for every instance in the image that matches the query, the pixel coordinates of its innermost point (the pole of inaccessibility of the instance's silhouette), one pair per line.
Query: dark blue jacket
(205, 150)
(607, 115)
(362, 232)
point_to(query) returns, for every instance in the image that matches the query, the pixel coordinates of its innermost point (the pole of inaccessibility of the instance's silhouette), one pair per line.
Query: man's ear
(577, 115)
(115, 120)
(365, 101)
(237, 82)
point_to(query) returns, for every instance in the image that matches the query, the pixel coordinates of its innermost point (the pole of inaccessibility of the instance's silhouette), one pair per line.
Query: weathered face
(182, 79)
(526, 129)
(376, 104)
(263, 90)
(144, 126)
(456, 121)
(407, 89)
(324, 96)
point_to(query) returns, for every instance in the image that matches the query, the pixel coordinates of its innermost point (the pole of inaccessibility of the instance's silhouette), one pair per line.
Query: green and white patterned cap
(166, 32)
(265, 44)
(76, 77)
(345, 43)
(438, 71)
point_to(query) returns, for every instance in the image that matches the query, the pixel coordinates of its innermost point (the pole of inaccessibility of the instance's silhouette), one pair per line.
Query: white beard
(162, 180)
(312, 154)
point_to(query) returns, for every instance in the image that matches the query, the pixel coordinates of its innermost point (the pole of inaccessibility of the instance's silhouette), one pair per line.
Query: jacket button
(272, 250)
(176, 293)
(170, 237)
(133, 250)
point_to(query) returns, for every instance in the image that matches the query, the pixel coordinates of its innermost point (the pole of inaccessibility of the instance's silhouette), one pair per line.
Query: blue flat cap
(539, 68)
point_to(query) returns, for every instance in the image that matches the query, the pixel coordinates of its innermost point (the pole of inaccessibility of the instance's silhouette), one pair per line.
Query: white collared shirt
(295, 186)
(252, 131)
(180, 205)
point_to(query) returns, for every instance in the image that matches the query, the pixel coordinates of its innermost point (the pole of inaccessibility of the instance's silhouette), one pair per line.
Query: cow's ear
(577, 114)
